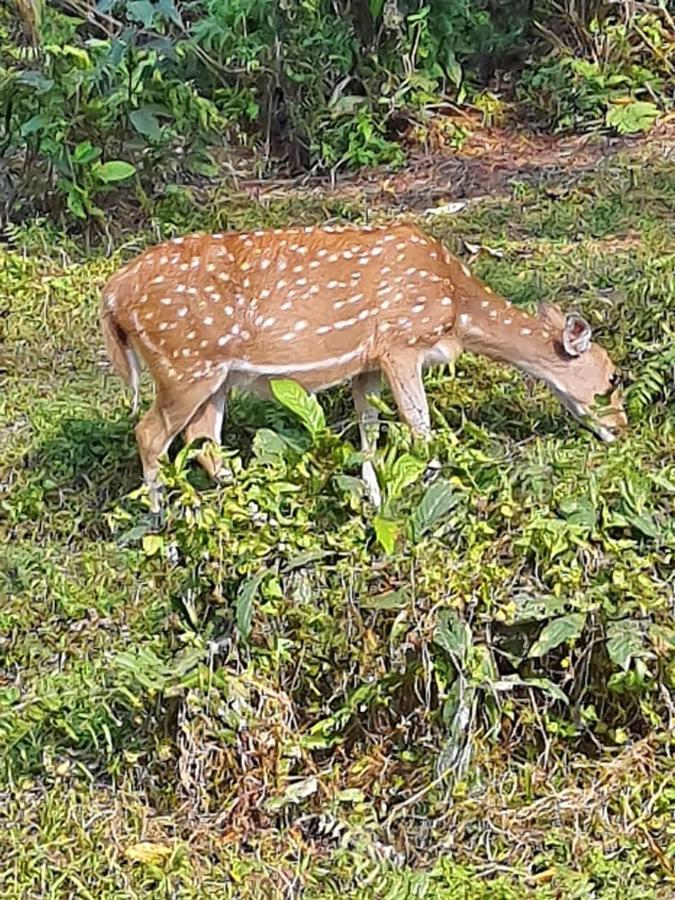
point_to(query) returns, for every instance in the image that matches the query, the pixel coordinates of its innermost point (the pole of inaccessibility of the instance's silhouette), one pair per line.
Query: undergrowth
(273, 692)
(102, 105)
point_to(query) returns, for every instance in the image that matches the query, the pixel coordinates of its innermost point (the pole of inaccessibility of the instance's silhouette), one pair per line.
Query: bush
(165, 88)
(619, 79)
(172, 91)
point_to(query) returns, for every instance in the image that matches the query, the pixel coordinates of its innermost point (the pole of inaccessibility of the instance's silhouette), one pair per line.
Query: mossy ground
(146, 751)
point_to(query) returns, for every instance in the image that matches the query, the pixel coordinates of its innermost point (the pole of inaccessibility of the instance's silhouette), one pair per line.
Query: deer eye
(615, 380)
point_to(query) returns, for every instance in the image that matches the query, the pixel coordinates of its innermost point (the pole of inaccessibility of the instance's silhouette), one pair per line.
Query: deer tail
(121, 354)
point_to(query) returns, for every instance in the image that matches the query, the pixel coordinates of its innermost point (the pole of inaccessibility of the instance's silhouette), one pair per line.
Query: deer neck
(488, 325)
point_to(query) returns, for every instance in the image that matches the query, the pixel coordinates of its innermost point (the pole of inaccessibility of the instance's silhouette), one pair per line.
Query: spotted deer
(325, 305)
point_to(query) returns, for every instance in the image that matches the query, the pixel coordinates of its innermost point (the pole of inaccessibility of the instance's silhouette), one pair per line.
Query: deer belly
(256, 379)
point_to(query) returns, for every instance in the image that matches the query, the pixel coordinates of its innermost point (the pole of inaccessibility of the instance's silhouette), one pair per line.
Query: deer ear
(551, 315)
(576, 336)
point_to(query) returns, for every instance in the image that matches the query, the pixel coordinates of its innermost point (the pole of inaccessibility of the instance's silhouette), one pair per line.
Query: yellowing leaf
(387, 531)
(148, 852)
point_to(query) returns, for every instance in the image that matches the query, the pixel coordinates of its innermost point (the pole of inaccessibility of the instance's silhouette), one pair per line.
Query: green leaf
(405, 471)
(633, 117)
(36, 80)
(85, 153)
(391, 600)
(566, 628)
(543, 684)
(663, 637)
(436, 502)
(133, 534)
(36, 123)
(387, 531)
(146, 123)
(350, 484)
(244, 604)
(304, 558)
(115, 170)
(624, 642)
(644, 523)
(375, 7)
(141, 11)
(579, 511)
(152, 544)
(454, 636)
(307, 408)
(268, 446)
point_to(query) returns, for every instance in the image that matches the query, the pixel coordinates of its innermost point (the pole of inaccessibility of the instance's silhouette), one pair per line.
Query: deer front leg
(404, 373)
(369, 428)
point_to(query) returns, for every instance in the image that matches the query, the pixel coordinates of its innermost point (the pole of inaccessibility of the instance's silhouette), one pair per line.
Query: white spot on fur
(344, 323)
(300, 325)
(324, 329)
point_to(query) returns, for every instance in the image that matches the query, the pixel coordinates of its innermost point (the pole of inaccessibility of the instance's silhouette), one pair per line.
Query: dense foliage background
(141, 93)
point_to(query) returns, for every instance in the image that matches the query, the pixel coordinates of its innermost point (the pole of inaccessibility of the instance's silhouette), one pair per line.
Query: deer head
(582, 375)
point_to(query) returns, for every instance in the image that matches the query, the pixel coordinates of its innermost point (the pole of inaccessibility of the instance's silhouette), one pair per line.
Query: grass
(256, 699)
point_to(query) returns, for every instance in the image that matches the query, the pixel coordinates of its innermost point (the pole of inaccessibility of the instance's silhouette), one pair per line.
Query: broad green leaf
(307, 408)
(436, 502)
(36, 123)
(566, 628)
(579, 511)
(350, 484)
(35, 79)
(145, 123)
(624, 642)
(453, 635)
(387, 531)
(141, 11)
(391, 600)
(633, 117)
(405, 471)
(244, 604)
(115, 170)
(268, 446)
(644, 523)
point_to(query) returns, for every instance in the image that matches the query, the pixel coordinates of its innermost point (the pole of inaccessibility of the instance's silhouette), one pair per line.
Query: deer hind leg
(404, 374)
(167, 416)
(208, 423)
(369, 428)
